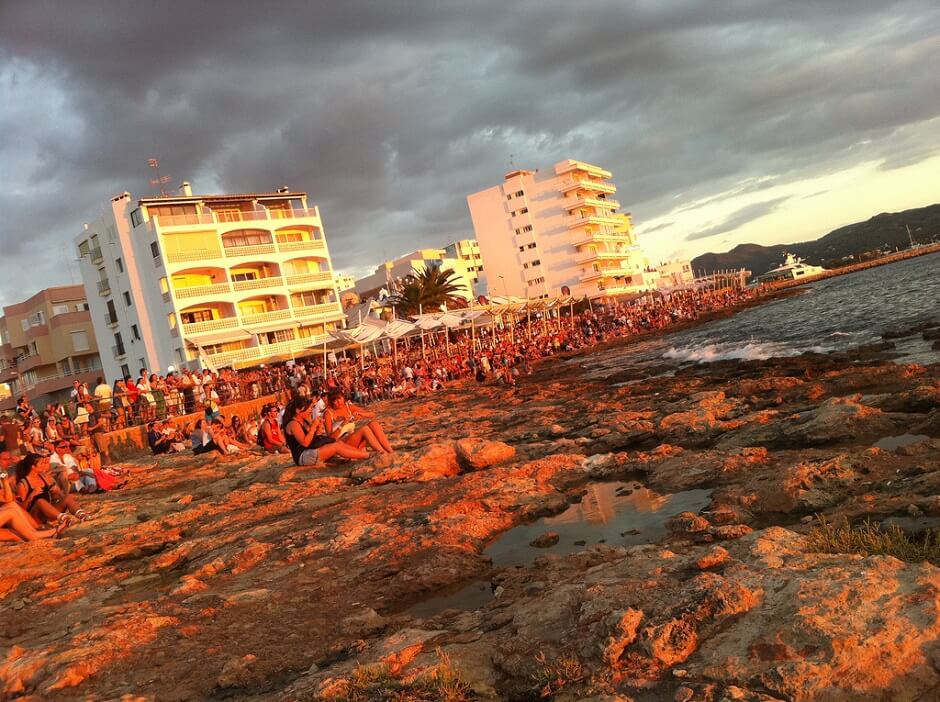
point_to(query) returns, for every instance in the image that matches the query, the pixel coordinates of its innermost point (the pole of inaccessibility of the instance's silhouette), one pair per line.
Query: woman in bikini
(306, 439)
(37, 491)
(340, 419)
(15, 522)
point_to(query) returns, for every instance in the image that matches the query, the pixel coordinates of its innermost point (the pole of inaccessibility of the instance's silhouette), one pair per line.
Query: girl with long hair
(305, 438)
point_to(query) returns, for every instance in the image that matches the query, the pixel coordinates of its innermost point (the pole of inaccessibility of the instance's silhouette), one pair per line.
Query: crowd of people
(317, 412)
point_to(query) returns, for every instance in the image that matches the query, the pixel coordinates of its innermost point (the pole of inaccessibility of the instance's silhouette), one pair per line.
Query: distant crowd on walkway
(316, 411)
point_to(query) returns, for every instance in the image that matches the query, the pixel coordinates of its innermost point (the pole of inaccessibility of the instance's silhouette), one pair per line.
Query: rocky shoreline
(249, 578)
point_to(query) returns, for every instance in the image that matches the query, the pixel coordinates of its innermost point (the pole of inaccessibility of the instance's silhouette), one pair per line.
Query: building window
(509, 197)
(171, 320)
(120, 265)
(518, 230)
(135, 332)
(136, 217)
(536, 262)
(527, 228)
(179, 356)
(246, 275)
(531, 246)
(125, 371)
(196, 316)
(154, 249)
(59, 309)
(83, 249)
(164, 285)
(525, 265)
(81, 307)
(522, 248)
(519, 193)
(127, 299)
(80, 340)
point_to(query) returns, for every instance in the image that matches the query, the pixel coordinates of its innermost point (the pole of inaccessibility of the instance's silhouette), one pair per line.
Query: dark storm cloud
(390, 113)
(739, 218)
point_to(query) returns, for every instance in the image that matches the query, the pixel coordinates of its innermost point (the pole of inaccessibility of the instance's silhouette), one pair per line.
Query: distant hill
(861, 240)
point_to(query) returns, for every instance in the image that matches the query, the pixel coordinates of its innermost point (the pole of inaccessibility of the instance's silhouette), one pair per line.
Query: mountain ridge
(883, 230)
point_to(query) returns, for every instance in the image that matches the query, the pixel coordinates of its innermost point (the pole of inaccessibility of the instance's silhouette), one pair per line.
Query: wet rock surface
(250, 578)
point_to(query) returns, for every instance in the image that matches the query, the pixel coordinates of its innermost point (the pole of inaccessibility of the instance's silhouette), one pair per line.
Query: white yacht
(793, 268)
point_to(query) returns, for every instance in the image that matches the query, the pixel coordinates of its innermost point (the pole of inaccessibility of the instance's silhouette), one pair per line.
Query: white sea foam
(748, 351)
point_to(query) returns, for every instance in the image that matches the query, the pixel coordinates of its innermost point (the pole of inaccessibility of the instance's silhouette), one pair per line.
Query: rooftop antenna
(158, 180)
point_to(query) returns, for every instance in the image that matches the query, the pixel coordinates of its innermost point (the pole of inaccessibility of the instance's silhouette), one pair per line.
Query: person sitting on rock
(15, 522)
(224, 438)
(202, 440)
(39, 495)
(306, 439)
(340, 421)
(270, 436)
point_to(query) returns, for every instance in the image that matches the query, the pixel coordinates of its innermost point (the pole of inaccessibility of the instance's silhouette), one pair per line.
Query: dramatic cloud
(390, 113)
(739, 218)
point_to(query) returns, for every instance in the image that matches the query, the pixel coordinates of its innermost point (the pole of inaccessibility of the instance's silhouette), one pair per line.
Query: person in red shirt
(270, 435)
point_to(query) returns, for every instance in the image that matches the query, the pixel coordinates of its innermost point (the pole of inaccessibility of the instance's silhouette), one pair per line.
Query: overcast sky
(723, 120)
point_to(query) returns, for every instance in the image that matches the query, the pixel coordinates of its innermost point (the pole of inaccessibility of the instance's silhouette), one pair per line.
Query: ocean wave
(748, 351)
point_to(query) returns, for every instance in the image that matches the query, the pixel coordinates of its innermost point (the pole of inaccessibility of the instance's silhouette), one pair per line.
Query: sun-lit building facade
(545, 233)
(462, 257)
(344, 281)
(213, 280)
(46, 343)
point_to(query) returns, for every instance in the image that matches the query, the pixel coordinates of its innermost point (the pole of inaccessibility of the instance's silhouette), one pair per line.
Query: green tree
(428, 290)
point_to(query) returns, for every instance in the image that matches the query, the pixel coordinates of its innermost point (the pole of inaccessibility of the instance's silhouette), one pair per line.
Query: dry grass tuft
(871, 539)
(553, 675)
(376, 683)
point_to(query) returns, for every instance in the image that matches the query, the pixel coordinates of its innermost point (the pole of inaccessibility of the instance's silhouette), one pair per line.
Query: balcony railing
(252, 250)
(307, 278)
(188, 220)
(607, 203)
(591, 185)
(211, 325)
(193, 255)
(587, 256)
(576, 221)
(327, 308)
(104, 287)
(203, 290)
(591, 237)
(274, 281)
(311, 245)
(266, 317)
(95, 254)
(110, 320)
(118, 350)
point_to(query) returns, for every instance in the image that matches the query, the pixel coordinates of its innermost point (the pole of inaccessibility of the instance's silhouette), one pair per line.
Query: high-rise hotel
(548, 233)
(226, 280)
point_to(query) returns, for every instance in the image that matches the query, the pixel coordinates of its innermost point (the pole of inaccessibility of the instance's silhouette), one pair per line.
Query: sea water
(835, 314)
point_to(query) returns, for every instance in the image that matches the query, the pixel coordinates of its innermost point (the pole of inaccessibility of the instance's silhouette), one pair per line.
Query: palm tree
(428, 289)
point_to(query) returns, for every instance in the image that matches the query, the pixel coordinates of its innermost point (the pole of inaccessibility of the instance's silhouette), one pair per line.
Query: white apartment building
(344, 281)
(558, 232)
(462, 257)
(192, 280)
(467, 252)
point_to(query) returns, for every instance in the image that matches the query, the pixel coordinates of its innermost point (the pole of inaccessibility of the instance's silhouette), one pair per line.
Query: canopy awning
(218, 337)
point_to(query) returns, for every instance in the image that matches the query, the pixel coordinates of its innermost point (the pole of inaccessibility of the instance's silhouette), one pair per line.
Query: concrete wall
(132, 443)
